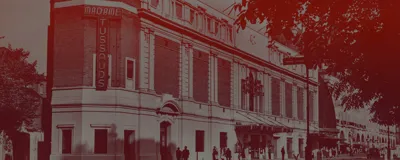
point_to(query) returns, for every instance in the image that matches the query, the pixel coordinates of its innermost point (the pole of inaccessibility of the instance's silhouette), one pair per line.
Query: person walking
(215, 153)
(283, 153)
(185, 153)
(228, 154)
(178, 154)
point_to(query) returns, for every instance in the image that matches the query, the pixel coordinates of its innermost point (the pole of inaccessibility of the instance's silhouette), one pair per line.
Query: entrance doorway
(164, 140)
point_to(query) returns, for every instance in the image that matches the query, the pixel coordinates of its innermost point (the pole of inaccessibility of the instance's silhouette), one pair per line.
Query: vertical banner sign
(104, 15)
(102, 53)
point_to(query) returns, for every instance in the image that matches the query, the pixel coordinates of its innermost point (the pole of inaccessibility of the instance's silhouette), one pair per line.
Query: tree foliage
(356, 40)
(19, 103)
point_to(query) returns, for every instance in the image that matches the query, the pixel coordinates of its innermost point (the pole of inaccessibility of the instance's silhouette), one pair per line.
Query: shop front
(258, 141)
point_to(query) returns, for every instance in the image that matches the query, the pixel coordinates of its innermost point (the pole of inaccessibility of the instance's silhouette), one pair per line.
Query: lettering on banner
(102, 54)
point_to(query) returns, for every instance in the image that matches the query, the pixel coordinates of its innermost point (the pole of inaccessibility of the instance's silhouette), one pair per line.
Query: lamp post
(388, 132)
(47, 117)
(296, 61)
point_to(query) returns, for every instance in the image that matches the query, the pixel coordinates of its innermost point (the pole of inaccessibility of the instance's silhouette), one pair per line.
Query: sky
(24, 25)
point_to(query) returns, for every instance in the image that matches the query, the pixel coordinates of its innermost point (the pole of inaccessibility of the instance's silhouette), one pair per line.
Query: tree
(19, 103)
(355, 40)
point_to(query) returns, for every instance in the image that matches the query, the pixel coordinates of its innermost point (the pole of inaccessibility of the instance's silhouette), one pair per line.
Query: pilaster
(305, 103)
(236, 84)
(145, 48)
(316, 104)
(216, 77)
(151, 59)
(283, 97)
(211, 78)
(294, 101)
(186, 73)
(266, 104)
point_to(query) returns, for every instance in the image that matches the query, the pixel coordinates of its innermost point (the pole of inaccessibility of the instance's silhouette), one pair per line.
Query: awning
(261, 125)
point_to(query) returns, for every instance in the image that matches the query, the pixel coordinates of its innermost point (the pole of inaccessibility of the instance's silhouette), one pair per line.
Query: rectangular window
(223, 139)
(66, 141)
(200, 71)
(288, 100)
(224, 82)
(129, 69)
(191, 16)
(129, 144)
(199, 141)
(311, 101)
(100, 141)
(276, 96)
(200, 22)
(154, 3)
(179, 13)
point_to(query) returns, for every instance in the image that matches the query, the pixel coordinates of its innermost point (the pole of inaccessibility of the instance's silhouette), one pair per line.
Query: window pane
(129, 144)
(66, 141)
(154, 3)
(179, 10)
(199, 141)
(100, 141)
(129, 69)
(223, 139)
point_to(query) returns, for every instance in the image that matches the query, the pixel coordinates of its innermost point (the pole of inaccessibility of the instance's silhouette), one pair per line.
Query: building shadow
(124, 147)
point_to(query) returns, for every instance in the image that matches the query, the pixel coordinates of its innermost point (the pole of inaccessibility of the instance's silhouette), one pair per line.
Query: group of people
(184, 154)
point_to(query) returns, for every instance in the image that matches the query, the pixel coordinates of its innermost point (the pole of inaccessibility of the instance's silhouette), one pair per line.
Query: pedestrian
(269, 151)
(178, 154)
(228, 154)
(185, 153)
(283, 153)
(215, 153)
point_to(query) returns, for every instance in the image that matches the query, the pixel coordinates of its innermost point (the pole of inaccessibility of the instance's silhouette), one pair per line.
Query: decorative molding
(100, 125)
(66, 126)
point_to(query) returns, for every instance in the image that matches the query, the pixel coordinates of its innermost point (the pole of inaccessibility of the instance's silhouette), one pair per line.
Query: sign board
(100, 11)
(102, 50)
(293, 61)
(103, 15)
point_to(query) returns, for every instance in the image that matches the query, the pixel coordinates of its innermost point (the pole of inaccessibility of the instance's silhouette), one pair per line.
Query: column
(144, 59)
(294, 100)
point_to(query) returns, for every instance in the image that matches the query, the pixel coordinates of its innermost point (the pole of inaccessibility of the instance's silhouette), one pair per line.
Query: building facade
(138, 79)
(357, 131)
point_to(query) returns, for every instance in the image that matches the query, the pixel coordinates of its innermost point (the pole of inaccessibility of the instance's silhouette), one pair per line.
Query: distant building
(357, 131)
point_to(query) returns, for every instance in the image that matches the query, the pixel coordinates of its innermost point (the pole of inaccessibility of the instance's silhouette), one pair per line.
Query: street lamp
(296, 61)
